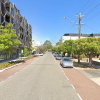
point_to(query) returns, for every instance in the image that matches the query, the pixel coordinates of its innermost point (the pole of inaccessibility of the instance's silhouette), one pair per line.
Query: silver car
(66, 62)
(58, 57)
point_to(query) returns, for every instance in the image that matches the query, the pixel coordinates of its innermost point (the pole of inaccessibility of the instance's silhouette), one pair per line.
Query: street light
(69, 19)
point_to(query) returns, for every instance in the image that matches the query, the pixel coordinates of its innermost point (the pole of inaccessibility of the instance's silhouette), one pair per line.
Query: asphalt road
(41, 80)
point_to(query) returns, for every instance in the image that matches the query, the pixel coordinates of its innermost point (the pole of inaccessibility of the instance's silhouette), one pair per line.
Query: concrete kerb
(10, 67)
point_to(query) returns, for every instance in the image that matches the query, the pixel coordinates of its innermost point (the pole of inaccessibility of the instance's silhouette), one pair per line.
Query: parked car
(66, 62)
(58, 57)
(41, 54)
(55, 54)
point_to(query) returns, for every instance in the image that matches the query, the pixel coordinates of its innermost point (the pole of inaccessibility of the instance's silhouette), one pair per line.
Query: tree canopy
(8, 39)
(89, 47)
(47, 45)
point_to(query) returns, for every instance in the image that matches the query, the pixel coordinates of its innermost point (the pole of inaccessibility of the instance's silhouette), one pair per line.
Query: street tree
(68, 46)
(91, 47)
(8, 39)
(26, 52)
(40, 49)
(54, 49)
(78, 49)
(47, 45)
(58, 44)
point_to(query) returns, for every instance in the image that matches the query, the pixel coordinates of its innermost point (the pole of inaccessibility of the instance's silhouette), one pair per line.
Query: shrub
(26, 52)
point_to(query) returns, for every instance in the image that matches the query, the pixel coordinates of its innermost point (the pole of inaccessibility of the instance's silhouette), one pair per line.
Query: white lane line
(63, 72)
(67, 78)
(79, 96)
(73, 87)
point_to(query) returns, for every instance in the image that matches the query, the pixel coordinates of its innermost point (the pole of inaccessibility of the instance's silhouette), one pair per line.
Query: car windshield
(58, 55)
(66, 59)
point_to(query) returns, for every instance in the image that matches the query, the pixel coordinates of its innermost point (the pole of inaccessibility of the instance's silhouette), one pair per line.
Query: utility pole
(79, 16)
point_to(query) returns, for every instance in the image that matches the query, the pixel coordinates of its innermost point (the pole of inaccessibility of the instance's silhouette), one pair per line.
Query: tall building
(10, 14)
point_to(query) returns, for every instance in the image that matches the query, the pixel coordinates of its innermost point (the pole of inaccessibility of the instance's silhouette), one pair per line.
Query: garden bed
(13, 62)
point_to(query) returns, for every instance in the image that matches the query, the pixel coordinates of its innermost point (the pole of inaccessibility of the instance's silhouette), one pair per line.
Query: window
(15, 9)
(7, 7)
(66, 59)
(20, 20)
(2, 9)
(11, 20)
(4, 0)
(7, 18)
(12, 12)
(27, 32)
(22, 37)
(1, 18)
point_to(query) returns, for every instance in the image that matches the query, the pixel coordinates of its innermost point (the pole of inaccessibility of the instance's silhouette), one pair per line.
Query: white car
(41, 54)
(66, 62)
(58, 57)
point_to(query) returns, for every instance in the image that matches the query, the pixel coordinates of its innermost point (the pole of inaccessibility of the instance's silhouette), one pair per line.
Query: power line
(88, 6)
(83, 7)
(93, 9)
(92, 28)
(95, 15)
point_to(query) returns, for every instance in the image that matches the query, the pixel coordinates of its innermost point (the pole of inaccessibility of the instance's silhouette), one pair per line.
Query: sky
(46, 17)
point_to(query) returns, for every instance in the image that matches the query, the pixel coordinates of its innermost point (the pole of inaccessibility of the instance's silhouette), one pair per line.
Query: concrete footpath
(7, 73)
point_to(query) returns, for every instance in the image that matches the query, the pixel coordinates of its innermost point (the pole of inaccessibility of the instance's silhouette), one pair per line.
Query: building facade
(10, 14)
(75, 36)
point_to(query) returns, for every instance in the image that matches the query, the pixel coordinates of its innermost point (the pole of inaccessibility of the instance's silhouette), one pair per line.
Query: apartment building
(10, 14)
(75, 36)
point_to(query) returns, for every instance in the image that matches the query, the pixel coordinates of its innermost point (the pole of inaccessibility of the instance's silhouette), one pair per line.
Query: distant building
(74, 36)
(10, 14)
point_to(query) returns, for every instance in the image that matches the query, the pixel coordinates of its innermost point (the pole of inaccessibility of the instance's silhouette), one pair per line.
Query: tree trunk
(90, 60)
(78, 58)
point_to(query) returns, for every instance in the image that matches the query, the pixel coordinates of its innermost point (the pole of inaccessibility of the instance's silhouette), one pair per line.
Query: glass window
(12, 12)
(2, 9)
(11, 20)
(3, 0)
(7, 18)
(1, 19)
(66, 59)
(15, 9)
(7, 7)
